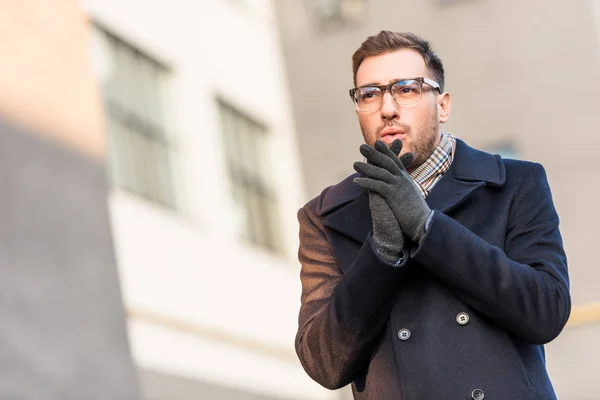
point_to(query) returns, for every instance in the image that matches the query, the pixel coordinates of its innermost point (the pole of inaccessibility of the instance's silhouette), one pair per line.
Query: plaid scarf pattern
(431, 171)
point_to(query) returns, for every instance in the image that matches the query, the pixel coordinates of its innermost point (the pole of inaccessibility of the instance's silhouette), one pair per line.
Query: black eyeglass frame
(388, 88)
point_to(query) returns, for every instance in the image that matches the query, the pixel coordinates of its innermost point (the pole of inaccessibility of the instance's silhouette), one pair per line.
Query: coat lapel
(450, 192)
(345, 206)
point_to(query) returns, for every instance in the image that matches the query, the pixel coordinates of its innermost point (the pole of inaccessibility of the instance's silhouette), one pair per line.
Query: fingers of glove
(396, 147)
(374, 185)
(380, 209)
(381, 147)
(376, 199)
(373, 171)
(377, 158)
(407, 159)
(387, 234)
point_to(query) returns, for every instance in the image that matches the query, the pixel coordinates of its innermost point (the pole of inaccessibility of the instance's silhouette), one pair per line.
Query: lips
(389, 137)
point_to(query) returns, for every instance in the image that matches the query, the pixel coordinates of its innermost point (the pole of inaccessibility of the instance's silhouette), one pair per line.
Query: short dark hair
(386, 42)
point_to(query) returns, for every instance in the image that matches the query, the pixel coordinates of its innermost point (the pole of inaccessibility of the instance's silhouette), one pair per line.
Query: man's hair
(387, 42)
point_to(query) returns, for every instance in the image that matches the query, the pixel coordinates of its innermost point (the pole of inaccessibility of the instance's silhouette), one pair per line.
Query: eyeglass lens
(405, 92)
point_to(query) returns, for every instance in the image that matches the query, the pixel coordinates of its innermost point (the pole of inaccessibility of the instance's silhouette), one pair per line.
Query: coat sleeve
(525, 288)
(342, 315)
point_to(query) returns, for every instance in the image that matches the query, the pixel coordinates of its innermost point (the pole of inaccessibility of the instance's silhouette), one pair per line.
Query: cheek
(368, 121)
(423, 117)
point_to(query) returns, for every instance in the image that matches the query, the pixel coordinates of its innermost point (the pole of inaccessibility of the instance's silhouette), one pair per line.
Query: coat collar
(473, 165)
(345, 206)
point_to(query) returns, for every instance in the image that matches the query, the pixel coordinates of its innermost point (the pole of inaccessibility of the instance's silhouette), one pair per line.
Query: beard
(421, 141)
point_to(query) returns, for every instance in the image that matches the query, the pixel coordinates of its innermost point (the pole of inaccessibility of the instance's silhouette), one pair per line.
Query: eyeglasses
(404, 92)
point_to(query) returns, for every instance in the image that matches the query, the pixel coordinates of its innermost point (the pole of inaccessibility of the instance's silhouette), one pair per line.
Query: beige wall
(46, 83)
(527, 73)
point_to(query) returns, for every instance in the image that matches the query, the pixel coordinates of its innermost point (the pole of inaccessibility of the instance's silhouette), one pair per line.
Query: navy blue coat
(465, 317)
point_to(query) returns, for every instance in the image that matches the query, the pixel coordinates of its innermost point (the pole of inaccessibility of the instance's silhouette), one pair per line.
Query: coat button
(404, 334)
(463, 319)
(477, 394)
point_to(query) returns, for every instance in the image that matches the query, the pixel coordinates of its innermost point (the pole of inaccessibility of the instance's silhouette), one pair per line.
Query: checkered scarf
(431, 171)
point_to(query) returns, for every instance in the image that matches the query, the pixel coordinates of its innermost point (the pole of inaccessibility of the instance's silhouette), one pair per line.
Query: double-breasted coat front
(465, 317)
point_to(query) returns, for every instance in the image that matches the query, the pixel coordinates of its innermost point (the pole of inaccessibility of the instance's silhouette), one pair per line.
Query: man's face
(417, 125)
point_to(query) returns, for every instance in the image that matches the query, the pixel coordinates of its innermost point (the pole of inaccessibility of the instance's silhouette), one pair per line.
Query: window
(331, 14)
(246, 151)
(133, 90)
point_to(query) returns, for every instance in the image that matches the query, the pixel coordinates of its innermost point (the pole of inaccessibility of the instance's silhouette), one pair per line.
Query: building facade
(63, 332)
(205, 188)
(150, 183)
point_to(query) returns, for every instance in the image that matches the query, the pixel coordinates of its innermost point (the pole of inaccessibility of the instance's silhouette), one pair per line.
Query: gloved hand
(386, 175)
(387, 235)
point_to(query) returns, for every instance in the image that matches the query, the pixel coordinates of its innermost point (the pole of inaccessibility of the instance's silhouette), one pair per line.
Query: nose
(389, 108)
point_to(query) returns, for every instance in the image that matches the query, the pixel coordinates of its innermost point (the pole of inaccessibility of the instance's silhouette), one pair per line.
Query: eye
(368, 93)
(406, 88)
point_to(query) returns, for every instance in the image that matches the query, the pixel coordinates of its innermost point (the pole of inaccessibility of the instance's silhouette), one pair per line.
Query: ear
(444, 106)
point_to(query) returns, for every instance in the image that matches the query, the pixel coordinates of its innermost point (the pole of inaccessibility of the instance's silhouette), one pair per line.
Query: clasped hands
(396, 203)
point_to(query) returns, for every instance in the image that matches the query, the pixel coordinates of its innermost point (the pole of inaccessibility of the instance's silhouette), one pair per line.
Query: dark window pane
(133, 94)
(247, 155)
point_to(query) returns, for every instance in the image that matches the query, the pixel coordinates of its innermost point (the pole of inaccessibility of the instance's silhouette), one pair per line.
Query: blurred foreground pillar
(62, 323)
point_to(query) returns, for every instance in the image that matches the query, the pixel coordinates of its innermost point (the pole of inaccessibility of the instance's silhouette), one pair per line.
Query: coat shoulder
(519, 165)
(518, 170)
(334, 197)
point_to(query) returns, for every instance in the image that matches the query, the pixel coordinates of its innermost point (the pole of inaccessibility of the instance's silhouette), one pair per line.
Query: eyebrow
(379, 84)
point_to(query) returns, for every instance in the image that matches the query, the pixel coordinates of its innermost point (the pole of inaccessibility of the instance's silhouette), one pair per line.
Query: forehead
(384, 68)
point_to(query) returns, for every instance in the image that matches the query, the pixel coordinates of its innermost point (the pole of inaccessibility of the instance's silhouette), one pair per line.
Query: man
(438, 271)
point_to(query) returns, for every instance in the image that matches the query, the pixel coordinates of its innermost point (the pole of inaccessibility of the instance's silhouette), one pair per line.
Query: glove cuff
(388, 251)
(397, 260)
(422, 227)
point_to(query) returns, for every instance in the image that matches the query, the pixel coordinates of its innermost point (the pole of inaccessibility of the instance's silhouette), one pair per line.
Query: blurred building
(525, 83)
(205, 187)
(63, 333)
